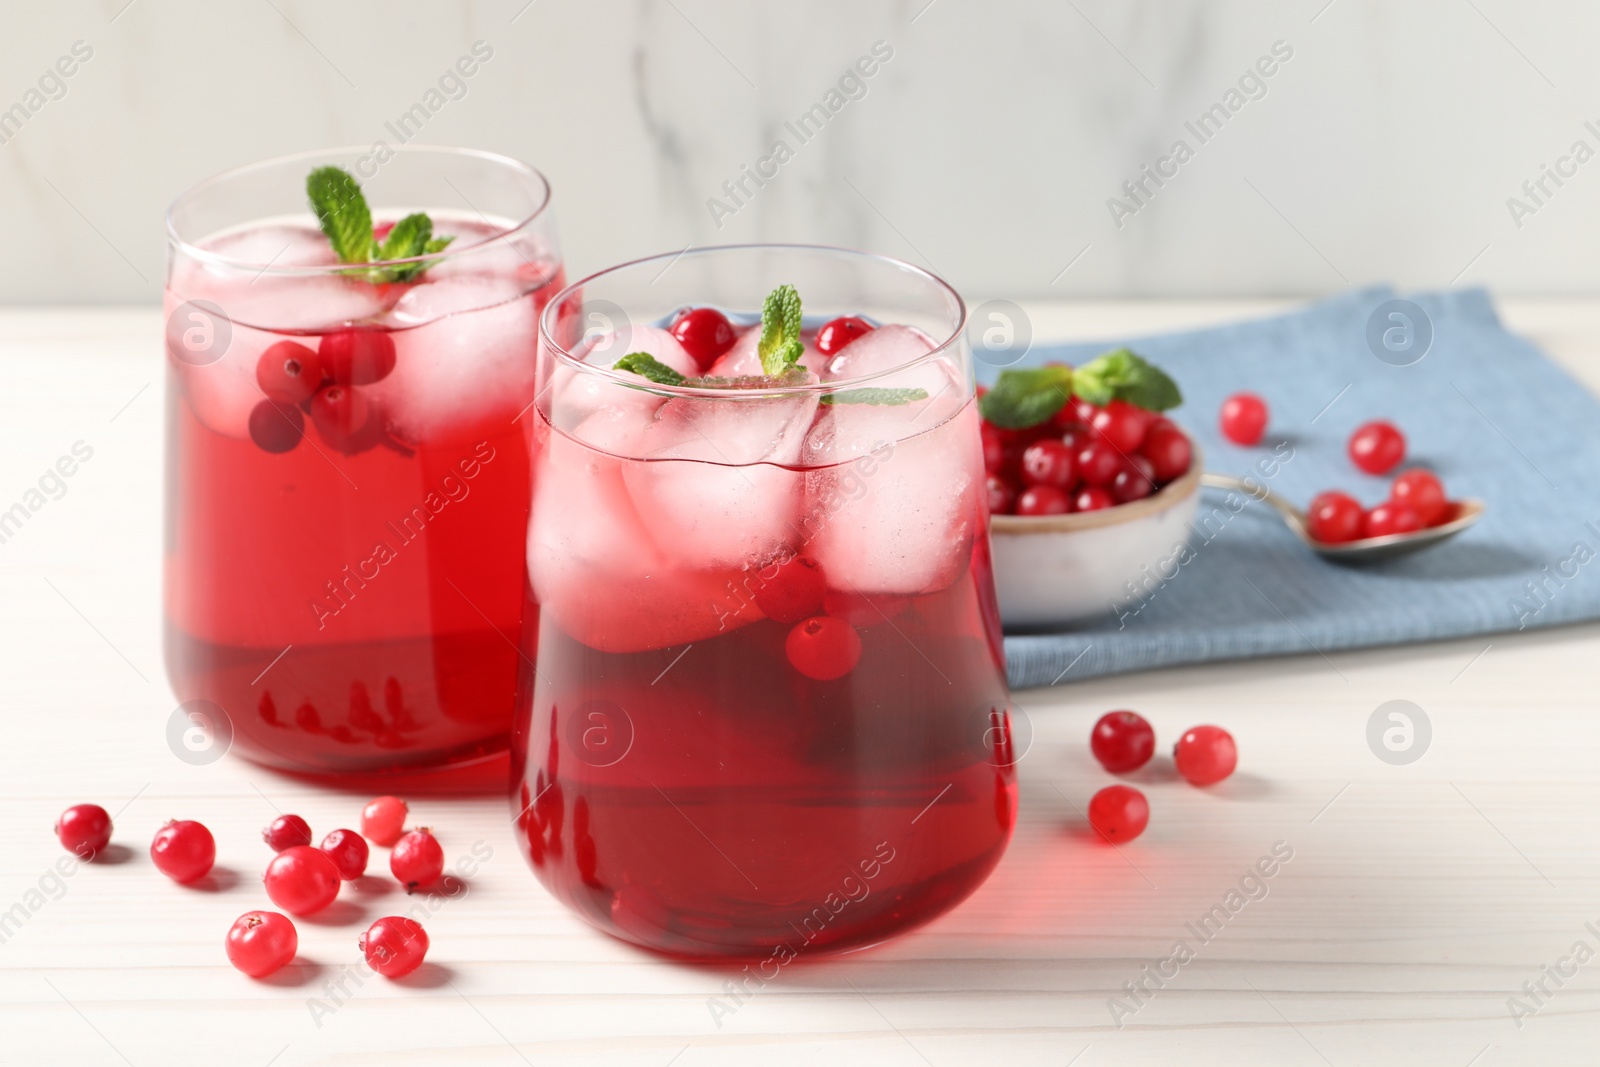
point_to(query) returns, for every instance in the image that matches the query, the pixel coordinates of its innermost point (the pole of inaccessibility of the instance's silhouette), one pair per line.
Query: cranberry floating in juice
(351, 344)
(763, 710)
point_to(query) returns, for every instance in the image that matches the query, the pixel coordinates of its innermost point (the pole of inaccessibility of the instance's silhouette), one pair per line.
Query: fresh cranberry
(417, 860)
(1001, 496)
(1083, 412)
(1098, 464)
(994, 449)
(1244, 418)
(1122, 741)
(302, 880)
(276, 426)
(1119, 813)
(836, 333)
(1377, 447)
(1075, 435)
(1042, 500)
(1049, 462)
(383, 820)
(1391, 517)
(287, 831)
(289, 372)
(1334, 518)
(84, 829)
(823, 648)
(1122, 425)
(340, 413)
(1168, 450)
(1092, 498)
(183, 851)
(795, 592)
(348, 851)
(261, 942)
(1135, 481)
(1205, 755)
(704, 333)
(357, 357)
(394, 946)
(1423, 491)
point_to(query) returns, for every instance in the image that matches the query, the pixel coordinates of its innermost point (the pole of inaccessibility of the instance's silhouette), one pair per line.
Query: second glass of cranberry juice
(764, 712)
(347, 479)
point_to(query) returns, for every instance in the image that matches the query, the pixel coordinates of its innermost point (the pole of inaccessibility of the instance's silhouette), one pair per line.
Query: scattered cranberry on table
(1244, 418)
(383, 820)
(184, 851)
(704, 333)
(348, 851)
(1377, 447)
(836, 333)
(285, 832)
(1205, 755)
(823, 648)
(302, 880)
(261, 942)
(1122, 741)
(417, 860)
(1119, 813)
(394, 946)
(84, 829)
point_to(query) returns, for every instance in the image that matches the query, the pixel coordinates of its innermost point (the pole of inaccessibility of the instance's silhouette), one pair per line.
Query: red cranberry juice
(351, 601)
(702, 796)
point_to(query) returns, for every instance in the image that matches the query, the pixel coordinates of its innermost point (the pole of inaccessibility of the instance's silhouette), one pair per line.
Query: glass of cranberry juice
(347, 480)
(762, 711)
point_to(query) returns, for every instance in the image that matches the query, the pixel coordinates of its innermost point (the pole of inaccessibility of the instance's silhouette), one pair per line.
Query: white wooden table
(1418, 900)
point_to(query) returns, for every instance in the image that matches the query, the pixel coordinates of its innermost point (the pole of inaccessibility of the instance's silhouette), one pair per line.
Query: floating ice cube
(578, 395)
(744, 358)
(894, 507)
(469, 370)
(598, 571)
(884, 349)
(717, 487)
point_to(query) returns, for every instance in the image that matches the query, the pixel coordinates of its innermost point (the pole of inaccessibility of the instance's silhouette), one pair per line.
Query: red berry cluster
(1124, 741)
(299, 879)
(1084, 459)
(324, 383)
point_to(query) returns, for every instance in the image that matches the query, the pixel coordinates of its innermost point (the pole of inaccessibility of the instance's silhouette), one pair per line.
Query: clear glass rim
(548, 317)
(193, 251)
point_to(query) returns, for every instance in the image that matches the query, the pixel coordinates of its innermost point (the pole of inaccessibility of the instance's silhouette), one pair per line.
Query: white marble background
(1384, 150)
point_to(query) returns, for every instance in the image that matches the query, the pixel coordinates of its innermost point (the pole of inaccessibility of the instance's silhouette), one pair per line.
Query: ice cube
(578, 395)
(718, 485)
(885, 349)
(744, 358)
(598, 572)
(469, 370)
(893, 505)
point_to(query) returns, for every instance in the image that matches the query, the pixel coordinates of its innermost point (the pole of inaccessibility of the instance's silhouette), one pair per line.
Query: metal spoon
(1368, 548)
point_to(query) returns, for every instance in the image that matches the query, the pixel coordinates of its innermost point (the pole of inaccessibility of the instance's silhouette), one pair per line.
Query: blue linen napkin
(1484, 409)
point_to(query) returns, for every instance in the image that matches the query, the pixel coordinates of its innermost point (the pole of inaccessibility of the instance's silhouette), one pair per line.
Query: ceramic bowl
(1058, 569)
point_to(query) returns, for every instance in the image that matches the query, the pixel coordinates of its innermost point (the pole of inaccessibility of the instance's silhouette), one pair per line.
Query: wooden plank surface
(1418, 900)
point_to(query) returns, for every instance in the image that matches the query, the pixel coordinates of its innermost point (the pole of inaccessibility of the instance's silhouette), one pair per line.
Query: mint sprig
(1122, 375)
(648, 366)
(1023, 398)
(780, 346)
(876, 395)
(342, 212)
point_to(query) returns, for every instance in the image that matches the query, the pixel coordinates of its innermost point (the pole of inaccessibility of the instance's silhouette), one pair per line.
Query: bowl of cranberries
(1091, 488)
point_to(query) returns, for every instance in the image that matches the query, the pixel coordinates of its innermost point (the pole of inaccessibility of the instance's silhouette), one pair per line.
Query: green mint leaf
(342, 212)
(780, 346)
(879, 396)
(1023, 398)
(409, 237)
(1122, 375)
(437, 244)
(643, 363)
